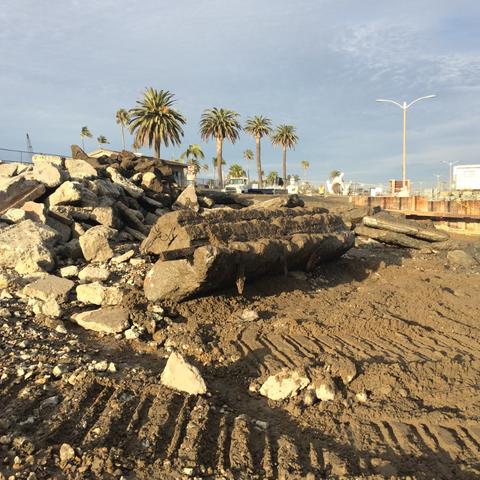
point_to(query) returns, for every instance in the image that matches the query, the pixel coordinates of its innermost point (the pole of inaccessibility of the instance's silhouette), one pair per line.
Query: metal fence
(21, 156)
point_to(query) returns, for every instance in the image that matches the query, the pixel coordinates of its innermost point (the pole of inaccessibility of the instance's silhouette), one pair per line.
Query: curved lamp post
(405, 106)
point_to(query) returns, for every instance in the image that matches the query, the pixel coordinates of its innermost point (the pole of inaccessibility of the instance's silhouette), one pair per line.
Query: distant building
(466, 177)
(178, 168)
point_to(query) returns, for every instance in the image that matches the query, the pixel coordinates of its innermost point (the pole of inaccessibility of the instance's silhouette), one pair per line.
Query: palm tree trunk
(284, 164)
(123, 137)
(259, 162)
(157, 150)
(219, 161)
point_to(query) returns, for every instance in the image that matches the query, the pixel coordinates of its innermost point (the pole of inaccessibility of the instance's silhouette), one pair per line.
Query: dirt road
(407, 321)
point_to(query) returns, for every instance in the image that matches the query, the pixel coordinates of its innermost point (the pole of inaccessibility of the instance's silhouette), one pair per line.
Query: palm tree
(286, 137)
(205, 167)
(122, 118)
(155, 121)
(305, 165)
(236, 171)
(248, 156)
(221, 124)
(334, 173)
(271, 178)
(84, 133)
(214, 165)
(258, 127)
(102, 140)
(192, 152)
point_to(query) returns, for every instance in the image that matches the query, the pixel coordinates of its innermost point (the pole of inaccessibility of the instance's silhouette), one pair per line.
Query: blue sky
(317, 64)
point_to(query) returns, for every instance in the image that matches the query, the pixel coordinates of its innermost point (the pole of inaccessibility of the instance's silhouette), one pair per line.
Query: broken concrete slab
(460, 258)
(132, 189)
(95, 243)
(14, 192)
(49, 174)
(187, 200)
(28, 247)
(106, 320)
(79, 169)
(97, 294)
(68, 193)
(35, 211)
(182, 376)
(49, 287)
(93, 274)
(38, 159)
(285, 384)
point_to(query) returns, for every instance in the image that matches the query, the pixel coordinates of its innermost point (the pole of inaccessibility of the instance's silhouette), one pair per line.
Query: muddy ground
(408, 321)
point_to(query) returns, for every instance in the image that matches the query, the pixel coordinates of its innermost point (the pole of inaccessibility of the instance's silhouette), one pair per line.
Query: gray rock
(79, 169)
(107, 320)
(15, 215)
(69, 193)
(180, 375)
(28, 247)
(95, 243)
(284, 385)
(54, 159)
(187, 200)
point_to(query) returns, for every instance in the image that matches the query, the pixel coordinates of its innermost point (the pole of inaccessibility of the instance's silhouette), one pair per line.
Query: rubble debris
(49, 174)
(107, 319)
(14, 192)
(290, 201)
(221, 248)
(180, 375)
(187, 200)
(95, 243)
(28, 247)
(325, 388)
(460, 258)
(93, 274)
(97, 294)
(49, 287)
(285, 384)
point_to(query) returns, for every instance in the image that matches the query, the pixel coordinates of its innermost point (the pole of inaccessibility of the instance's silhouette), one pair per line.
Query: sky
(316, 64)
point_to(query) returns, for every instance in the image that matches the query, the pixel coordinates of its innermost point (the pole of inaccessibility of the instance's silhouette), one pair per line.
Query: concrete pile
(78, 207)
(203, 252)
(398, 231)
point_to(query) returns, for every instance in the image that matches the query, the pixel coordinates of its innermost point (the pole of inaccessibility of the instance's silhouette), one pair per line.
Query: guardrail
(9, 155)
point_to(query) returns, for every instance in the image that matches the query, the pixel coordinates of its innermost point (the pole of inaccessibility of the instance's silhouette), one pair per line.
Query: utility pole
(450, 174)
(404, 106)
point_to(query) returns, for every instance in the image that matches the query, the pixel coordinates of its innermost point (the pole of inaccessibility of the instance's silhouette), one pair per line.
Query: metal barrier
(9, 155)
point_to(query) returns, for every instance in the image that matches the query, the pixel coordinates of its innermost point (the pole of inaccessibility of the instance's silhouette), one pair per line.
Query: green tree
(221, 124)
(102, 140)
(271, 178)
(286, 137)
(193, 152)
(247, 155)
(305, 165)
(155, 122)
(122, 117)
(85, 133)
(236, 171)
(258, 127)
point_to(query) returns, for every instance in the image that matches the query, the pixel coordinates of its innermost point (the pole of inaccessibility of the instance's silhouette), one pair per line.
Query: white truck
(237, 185)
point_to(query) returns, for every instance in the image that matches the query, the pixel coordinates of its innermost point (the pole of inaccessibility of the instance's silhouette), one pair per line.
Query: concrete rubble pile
(203, 252)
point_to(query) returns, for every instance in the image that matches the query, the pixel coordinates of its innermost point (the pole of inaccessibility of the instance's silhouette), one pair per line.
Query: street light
(450, 174)
(404, 107)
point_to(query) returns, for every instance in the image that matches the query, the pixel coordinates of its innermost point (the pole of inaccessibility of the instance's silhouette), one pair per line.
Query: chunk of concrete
(107, 319)
(180, 375)
(95, 243)
(49, 287)
(187, 200)
(93, 274)
(49, 174)
(460, 258)
(98, 294)
(79, 169)
(28, 247)
(14, 192)
(69, 193)
(285, 384)
(38, 159)
(132, 189)
(15, 215)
